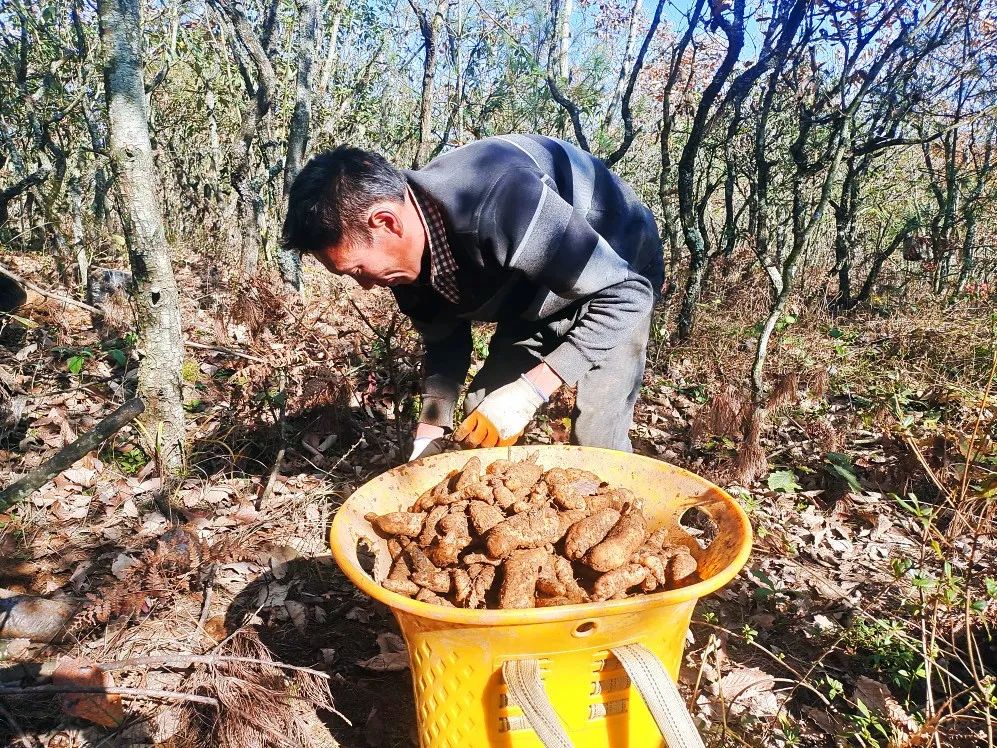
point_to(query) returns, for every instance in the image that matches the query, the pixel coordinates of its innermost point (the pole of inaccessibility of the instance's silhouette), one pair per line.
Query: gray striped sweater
(536, 226)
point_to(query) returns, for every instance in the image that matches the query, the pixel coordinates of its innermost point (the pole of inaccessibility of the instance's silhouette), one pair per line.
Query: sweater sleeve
(540, 234)
(448, 357)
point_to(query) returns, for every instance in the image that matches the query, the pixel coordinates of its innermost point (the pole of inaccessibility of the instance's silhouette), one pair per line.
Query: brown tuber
(522, 570)
(484, 516)
(570, 486)
(530, 529)
(626, 536)
(618, 580)
(588, 532)
(408, 524)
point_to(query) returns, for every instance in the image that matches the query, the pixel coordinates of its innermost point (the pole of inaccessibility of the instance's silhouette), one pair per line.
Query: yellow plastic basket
(457, 655)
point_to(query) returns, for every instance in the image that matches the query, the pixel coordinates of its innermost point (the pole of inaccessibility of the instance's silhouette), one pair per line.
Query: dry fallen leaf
(358, 614)
(298, 613)
(215, 628)
(16, 648)
(215, 494)
(100, 708)
(60, 740)
(272, 595)
(121, 564)
(825, 720)
(393, 656)
(749, 689)
(878, 698)
(279, 561)
(246, 514)
(82, 476)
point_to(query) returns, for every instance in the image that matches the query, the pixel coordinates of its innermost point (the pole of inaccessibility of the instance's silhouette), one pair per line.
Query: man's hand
(502, 416)
(428, 440)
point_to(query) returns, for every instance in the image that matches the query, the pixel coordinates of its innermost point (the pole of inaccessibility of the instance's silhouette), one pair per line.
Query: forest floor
(873, 557)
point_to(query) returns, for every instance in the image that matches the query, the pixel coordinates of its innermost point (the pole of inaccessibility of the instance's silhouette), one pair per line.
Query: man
(526, 231)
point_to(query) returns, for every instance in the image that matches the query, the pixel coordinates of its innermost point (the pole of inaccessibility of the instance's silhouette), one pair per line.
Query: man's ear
(386, 216)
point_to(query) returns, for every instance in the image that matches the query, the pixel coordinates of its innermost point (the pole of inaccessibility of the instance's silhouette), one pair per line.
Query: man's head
(352, 210)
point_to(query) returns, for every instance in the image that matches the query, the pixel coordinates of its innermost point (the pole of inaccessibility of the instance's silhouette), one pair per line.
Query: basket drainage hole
(701, 526)
(584, 629)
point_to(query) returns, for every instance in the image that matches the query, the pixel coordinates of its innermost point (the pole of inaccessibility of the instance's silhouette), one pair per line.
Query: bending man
(525, 231)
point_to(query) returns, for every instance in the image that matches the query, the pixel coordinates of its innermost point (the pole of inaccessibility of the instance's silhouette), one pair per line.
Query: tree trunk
(693, 285)
(22, 185)
(968, 245)
(214, 143)
(877, 265)
(628, 53)
(562, 19)
(75, 195)
(844, 235)
(761, 349)
(155, 290)
(666, 184)
(734, 30)
(331, 56)
(297, 136)
(430, 28)
(249, 202)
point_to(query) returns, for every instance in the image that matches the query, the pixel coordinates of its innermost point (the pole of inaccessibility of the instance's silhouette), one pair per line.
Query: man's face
(392, 256)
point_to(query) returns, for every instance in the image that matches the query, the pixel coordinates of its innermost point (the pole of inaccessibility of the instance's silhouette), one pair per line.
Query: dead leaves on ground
(100, 708)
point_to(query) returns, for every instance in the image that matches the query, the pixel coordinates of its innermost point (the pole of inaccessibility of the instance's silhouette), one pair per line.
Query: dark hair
(332, 193)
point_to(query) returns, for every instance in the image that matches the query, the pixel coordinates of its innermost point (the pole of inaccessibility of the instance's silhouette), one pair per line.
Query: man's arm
(448, 357)
(553, 244)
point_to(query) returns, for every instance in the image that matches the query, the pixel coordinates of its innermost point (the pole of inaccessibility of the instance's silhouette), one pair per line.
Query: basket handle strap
(660, 694)
(526, 690)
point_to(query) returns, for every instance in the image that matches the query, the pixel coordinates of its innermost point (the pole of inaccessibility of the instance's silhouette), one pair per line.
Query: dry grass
(751, 462)
(723, 414)
(259, 704)
(785, 391)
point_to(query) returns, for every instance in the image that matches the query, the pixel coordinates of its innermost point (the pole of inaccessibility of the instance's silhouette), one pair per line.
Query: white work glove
(424, 446)
(502, 416)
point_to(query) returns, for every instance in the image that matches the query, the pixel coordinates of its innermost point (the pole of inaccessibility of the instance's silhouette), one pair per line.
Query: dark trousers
(604, 405)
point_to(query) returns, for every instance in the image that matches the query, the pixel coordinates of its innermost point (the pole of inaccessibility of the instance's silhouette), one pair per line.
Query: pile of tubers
(517, 536)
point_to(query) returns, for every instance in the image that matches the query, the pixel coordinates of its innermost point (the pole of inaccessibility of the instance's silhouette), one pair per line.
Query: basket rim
(492, 617)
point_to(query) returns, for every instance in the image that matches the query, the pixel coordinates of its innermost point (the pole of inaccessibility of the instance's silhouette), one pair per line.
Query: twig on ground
(912, 446)
(96, 310)
(136, 693)
(346, 454)
(801, 678)
(69, 454)
(338, 462)
(48, 294)
(184, 660)
(363, 317)
(209, 591)
(226, 351)
(282, 432)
